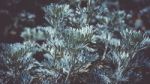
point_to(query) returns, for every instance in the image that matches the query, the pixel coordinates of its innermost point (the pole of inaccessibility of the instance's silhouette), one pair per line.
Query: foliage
(82, 44)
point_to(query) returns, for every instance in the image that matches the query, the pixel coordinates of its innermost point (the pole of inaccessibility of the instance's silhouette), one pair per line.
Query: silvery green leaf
(115, 42)
(145, 42)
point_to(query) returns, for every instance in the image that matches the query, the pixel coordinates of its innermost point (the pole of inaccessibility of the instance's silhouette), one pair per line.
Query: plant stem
(105, 52)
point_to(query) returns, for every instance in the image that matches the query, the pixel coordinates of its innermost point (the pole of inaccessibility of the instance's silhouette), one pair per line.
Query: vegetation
(82, 44)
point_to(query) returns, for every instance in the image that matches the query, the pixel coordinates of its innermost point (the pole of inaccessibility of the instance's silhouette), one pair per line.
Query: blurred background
(17, 14)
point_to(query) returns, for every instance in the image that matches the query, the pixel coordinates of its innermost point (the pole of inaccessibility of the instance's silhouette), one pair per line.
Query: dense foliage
(82, 44)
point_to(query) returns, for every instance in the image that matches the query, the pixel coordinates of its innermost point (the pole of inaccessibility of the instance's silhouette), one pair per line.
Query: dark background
(17, 14)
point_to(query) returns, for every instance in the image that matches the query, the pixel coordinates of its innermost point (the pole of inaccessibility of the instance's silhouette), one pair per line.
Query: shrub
(82, 44)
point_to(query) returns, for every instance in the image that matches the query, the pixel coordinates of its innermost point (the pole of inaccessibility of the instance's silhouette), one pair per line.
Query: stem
(105, 51)
(71, 68)
(68, 75)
